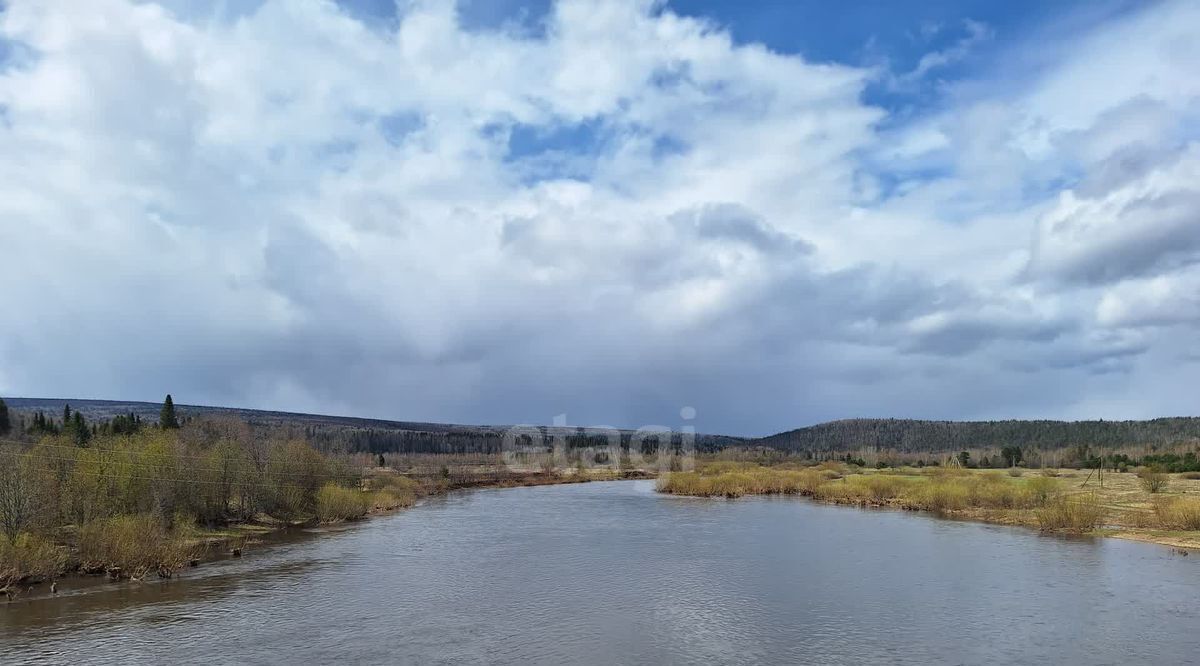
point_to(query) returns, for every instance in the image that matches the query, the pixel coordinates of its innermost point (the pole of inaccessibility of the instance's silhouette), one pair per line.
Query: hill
(906, 435)
(354, 434)
(342, 433)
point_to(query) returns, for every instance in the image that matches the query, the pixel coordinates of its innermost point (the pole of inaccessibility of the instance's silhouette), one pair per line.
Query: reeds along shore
(1046, 499)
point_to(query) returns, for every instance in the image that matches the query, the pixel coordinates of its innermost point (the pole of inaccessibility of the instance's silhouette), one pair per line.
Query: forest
(914, 436)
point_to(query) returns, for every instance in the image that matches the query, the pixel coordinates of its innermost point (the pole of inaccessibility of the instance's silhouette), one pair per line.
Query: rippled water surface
(609, 573)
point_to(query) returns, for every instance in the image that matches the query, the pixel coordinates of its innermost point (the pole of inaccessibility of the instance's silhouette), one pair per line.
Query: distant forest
(29, 417)
(467, 439)
(911, 436)
(340, 433)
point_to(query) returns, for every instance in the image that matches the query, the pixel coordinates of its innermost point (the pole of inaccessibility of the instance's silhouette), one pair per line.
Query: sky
(742, 217)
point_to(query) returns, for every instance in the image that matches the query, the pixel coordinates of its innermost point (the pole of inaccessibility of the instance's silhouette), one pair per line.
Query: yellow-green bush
(842, 492)
(838, 468)
(135, 545)
(1041, 489)
(29, 556)
(939, 495)
(877, 487)
(1080, 513)
(725, 466)
(336, 503)
(993, 491)
(945, 472)
(394, 491)
(750, 480)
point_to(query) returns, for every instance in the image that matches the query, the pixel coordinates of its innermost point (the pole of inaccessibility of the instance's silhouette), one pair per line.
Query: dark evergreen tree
(5, 423)
(66, 416)
(167, 418)
(79, 430)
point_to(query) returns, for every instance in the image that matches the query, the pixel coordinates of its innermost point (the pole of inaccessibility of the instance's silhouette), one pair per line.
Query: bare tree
(16, 495)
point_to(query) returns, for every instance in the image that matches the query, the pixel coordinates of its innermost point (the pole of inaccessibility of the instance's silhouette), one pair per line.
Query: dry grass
(132, 546)
(934, 490)
(1178, 513)
(1079, 513)
(939, 496)
(880, 488)
(1050, 499)
(393, 491)
(753, 480)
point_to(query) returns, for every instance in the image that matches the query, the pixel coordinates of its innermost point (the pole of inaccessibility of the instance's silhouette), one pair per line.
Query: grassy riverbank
(136, 546)
(1050, 500)
(155, 500)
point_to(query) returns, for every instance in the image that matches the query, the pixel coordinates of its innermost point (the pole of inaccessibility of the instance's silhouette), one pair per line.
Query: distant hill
(344, 433)
(905, 435)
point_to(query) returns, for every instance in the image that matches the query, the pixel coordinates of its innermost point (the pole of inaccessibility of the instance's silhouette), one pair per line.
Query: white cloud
(975, 34)
(1162, 300)
(292, 208)
(1151, 224)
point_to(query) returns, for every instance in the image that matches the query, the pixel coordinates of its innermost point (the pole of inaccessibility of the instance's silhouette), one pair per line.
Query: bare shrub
(1153, 480)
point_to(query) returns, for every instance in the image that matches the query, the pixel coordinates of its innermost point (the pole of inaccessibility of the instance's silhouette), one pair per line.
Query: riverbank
(383, 491)
(1050, 500)
(389, 492)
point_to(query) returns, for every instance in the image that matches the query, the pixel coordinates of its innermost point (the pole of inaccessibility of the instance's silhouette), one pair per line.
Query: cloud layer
(617, 215)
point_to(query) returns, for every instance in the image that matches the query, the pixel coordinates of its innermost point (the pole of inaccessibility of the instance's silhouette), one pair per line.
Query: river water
(608, 573)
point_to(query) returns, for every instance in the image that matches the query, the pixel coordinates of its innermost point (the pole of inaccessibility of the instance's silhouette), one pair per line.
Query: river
(607, 573)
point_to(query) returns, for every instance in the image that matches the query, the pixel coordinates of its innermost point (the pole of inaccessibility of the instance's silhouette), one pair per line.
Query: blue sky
(774, 213)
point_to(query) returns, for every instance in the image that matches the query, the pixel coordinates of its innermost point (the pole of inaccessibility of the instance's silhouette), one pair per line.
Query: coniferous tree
(80, 430)
(166, 418)
(66, 416)
(5, 423)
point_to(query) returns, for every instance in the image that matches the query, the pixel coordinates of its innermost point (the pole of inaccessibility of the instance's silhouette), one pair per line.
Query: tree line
(165, 479)
(913, 436)
(75, 427)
